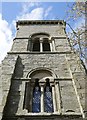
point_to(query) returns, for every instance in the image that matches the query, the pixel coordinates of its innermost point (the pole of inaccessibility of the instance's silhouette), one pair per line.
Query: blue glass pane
(36, 100)
(48, 100)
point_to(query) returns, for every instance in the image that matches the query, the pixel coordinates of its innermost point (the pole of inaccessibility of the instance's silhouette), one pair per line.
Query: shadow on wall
(14, 95)
(18, 72)
(13, 99)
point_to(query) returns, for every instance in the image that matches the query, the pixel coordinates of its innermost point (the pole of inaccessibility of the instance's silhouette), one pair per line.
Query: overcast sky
(10, 12)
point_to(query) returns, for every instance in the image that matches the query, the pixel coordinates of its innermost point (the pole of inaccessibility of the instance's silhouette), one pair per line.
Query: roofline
(40, 22)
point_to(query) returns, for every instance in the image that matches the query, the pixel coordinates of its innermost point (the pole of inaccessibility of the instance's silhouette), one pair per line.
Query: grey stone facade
(64, 64)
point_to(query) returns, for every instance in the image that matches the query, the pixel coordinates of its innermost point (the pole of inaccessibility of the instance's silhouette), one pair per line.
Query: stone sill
(28, 52)
(43, 118)
(56, 79)
(50, 114)
(53, 37)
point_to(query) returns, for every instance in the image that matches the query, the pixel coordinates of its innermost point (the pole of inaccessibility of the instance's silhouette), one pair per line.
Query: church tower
(42, 78)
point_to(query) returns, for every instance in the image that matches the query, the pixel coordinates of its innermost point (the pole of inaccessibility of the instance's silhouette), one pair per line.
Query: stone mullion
(41, 44)
(54, 98)
(42, 97)
(53, 45)
(58, 97)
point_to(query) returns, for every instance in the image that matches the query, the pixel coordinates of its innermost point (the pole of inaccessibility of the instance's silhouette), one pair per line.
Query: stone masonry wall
(56, 32)
(7, 70)
(63, 62)
(58, 66)
(53, 30)
(79, 77)
(55, 62)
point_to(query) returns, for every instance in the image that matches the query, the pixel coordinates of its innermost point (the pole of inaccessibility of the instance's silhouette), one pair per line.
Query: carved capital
(41, 39)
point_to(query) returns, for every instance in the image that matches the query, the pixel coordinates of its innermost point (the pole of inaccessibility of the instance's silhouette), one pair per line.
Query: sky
(10, 12)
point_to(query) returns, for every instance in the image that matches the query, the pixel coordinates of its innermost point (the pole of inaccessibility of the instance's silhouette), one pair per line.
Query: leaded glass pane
(36, 100)
(48, 100)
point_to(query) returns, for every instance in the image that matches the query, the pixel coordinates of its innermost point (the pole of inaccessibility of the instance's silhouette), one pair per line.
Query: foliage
(77, 10)
(77, 38)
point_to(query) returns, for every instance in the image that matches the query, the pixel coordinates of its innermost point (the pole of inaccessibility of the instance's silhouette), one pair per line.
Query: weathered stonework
(63, 62)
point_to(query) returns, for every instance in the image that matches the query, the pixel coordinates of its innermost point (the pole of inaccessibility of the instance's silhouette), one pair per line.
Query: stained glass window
(48, 102)
(36, 100)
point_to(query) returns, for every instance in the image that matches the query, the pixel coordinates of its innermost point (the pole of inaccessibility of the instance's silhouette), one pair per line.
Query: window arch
(40, 34)
(43, 93)
(40, 42)
(42, 88)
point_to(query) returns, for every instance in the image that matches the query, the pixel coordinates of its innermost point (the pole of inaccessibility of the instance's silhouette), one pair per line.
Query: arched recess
(37, 39)
(41, 96)
(39, 34)
(41, 72)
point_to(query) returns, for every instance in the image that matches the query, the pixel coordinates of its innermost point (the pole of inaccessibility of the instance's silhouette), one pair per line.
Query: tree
(77, 37)
(77, 10)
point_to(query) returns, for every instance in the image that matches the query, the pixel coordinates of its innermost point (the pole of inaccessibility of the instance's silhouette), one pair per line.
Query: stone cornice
(28, 52)
(40, 22)
(53, 37)
(56, 79)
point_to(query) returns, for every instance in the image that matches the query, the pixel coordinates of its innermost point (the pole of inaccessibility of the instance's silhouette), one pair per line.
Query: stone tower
(42, 78)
